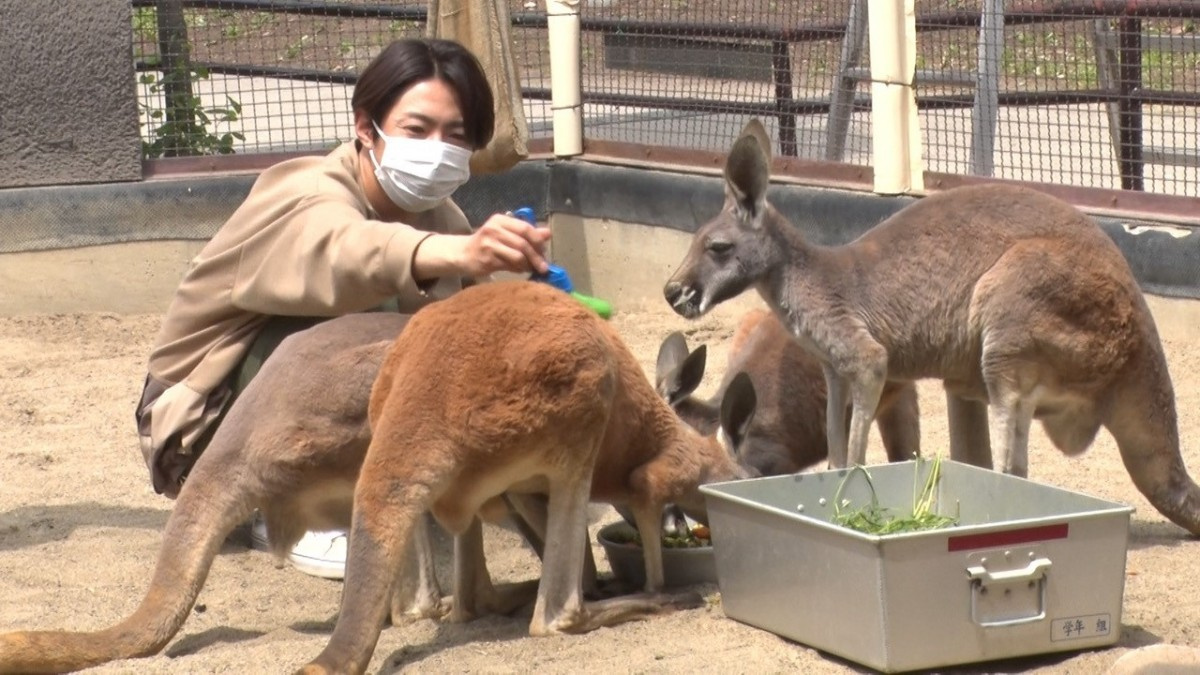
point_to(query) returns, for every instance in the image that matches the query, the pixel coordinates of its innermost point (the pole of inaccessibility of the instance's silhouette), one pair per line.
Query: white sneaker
(321, 554)
(258, 533)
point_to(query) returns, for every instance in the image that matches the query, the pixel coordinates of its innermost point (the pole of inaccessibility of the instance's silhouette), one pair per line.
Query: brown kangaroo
(515, 386)
(787, 433)
(291, 446)
(1019, 302)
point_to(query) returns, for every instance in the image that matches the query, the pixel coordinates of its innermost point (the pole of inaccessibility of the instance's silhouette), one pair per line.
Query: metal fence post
(781, 68)
(175, 55)
(987, 88)
(845, 84)
(1129, 106)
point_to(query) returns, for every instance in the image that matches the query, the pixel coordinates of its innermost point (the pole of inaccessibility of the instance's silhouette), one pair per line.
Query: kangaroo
(1016, 300)
(291, 446)
(513, 386)
(787, 433)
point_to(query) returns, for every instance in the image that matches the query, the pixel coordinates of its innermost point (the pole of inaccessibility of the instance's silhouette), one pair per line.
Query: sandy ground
(79, 532)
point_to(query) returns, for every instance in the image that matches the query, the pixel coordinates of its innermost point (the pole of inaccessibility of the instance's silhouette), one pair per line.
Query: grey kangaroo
(1017, 301)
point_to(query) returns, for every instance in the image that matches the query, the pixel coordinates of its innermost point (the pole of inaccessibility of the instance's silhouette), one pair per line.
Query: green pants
(276, 329)
(272, 334)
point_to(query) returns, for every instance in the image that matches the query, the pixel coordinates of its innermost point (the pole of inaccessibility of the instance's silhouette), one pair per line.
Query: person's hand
(502, 244)
(505, 243)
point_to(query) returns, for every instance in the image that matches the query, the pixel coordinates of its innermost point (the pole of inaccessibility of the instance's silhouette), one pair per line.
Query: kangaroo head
(721, 451)
(732, 251)
(677, 374)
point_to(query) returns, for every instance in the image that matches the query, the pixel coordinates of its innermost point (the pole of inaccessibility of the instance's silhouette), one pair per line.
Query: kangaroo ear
(748, 172)
(737, 408)
(671, 353)
(684, 378)
(756, 129)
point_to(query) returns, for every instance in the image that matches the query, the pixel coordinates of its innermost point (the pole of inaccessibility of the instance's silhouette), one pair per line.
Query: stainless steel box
(1028, 569)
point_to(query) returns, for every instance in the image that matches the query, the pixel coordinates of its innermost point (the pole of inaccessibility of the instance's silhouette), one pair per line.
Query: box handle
(1036, 569)
(981, 578)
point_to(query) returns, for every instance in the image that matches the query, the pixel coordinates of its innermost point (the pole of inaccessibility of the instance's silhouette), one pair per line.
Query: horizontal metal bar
(960, 77)
(1134, 203)
(1035, 98)
(1174, 44)
(1066, 10)
(842, 174)
(1129, 203)
(810, 106)
(256, 162)
(1027, 13)
(302, 7)
(1173, 157)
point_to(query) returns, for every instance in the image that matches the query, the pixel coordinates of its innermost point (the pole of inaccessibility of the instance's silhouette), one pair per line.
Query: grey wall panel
(1165, 260)
(68, 106)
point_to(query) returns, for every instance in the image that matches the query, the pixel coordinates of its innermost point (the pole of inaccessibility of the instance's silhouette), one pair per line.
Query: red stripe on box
(1025, 535)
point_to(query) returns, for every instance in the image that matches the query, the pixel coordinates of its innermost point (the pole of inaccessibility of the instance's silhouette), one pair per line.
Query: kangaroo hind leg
(969, 438)
(395, 489)
(899, 422)
(417, 594)
(560, 606)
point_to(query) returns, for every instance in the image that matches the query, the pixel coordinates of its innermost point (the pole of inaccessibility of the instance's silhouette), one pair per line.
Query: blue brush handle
(555, 276)
(558, 277)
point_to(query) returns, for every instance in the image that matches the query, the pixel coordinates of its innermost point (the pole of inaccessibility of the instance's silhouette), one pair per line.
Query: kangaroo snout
(683, 298)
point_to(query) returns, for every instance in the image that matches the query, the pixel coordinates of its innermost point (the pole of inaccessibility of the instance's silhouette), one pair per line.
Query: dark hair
(408, 61)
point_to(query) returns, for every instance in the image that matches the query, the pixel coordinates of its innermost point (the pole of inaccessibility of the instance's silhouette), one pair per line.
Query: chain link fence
(1093, 94)
(1090, 93)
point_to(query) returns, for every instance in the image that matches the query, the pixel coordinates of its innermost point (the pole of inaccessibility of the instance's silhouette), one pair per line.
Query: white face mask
(418, 173)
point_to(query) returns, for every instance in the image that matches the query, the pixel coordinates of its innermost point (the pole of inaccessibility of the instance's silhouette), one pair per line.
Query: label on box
(1079, 627)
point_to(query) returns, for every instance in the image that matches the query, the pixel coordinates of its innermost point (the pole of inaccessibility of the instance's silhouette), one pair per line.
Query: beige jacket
(305, 242)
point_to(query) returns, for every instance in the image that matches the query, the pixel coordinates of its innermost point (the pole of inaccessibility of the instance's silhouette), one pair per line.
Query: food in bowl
(687, 559)
(696, 537)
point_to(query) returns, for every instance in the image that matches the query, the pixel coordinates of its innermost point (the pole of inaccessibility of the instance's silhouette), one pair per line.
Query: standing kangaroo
(514, 387)
(291, 446)
(1019, 302)
(787, 433)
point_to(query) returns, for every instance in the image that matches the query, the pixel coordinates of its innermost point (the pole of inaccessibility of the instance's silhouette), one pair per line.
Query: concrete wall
(619, 231)
(68, 106)
(624, 263)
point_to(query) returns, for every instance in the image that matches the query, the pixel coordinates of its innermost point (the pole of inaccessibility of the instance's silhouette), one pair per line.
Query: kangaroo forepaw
(405, 614)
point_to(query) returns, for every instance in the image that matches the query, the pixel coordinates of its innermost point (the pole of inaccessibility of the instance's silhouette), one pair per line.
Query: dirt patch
(80, 529)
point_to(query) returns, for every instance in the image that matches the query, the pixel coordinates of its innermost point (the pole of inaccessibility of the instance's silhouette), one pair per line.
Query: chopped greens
(874, 519)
